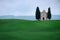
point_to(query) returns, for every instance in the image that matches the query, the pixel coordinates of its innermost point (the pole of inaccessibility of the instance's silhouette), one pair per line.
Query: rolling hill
(15, 29)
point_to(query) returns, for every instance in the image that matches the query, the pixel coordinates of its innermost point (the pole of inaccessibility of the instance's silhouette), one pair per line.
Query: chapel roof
(43, 11)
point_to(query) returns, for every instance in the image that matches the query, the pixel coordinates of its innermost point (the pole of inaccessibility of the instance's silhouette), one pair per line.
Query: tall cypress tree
(37, 13)
(49, 13)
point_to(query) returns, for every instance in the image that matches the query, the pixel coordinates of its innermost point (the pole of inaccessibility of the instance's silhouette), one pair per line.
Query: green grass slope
(15, 29)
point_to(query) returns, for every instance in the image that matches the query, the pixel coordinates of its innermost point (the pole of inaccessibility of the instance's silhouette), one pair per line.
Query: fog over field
(54, 17)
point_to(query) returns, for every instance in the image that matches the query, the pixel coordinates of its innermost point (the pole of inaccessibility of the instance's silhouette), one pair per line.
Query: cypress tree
(49, 13)
(37, 13)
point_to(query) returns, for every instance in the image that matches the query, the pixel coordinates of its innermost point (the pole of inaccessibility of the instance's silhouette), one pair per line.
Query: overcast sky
(28, 7)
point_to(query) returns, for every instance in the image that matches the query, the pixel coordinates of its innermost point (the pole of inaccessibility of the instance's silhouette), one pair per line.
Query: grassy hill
(15, 29)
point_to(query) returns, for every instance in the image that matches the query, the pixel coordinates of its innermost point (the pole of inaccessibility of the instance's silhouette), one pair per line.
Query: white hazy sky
(28, 7)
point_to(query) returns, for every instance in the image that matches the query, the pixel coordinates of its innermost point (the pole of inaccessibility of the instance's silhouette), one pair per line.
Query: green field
(15, 29)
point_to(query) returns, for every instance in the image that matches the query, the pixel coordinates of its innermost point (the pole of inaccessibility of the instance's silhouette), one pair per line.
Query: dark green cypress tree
(37, 13)
(49, 13)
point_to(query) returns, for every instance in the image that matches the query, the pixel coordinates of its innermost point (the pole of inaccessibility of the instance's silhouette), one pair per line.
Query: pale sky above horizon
(28, 7)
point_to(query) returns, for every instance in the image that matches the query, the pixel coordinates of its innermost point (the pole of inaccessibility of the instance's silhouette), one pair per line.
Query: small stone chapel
(43, 15)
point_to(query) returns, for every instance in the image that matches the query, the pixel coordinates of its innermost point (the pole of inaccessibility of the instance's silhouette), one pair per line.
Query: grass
(15, 29)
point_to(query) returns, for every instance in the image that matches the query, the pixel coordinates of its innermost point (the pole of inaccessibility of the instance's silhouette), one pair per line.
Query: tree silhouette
(37, 13)
(49, 13)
